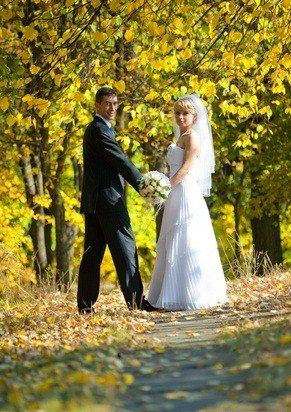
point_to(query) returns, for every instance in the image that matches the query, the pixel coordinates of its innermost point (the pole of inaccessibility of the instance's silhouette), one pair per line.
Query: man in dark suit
(103, 204)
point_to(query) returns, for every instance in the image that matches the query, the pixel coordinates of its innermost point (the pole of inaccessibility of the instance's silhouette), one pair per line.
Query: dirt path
(188, 370)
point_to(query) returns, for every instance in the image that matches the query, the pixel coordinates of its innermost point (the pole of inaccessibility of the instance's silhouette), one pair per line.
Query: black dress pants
(115, 230)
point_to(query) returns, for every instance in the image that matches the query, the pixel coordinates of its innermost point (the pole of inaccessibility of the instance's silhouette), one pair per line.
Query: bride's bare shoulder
(193, 138)
(191, 142)
(194, 134)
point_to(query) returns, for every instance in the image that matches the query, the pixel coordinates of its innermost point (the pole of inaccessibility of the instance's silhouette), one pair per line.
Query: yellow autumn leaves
(30, 33)
(41, 105)
(4, 103)
(48, 351)
(61, 352)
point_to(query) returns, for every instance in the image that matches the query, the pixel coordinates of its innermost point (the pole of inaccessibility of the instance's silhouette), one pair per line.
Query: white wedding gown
(188, 273)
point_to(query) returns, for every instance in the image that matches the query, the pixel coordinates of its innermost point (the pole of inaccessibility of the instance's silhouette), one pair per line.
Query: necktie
(112, 132)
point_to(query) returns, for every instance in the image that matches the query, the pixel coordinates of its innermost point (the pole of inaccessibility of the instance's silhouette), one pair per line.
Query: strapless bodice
(175, 156)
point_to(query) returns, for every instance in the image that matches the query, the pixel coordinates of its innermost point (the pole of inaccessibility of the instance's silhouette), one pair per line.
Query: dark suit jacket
(105, 166)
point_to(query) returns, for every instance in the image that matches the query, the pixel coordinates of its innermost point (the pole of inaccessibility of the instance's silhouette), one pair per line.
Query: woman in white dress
(188, 273)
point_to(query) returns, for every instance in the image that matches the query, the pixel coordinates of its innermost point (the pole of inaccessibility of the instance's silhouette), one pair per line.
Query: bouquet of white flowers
(155, 187)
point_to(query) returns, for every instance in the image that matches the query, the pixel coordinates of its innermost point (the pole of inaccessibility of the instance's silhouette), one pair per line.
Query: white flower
(155, 187)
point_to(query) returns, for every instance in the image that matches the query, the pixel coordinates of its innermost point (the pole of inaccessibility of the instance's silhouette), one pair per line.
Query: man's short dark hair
(104, 91)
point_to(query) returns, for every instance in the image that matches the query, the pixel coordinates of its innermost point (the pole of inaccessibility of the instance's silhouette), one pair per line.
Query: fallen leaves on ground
(254, 331)
(258, 332)
(50, 354)
(52, 358)
(262, 350)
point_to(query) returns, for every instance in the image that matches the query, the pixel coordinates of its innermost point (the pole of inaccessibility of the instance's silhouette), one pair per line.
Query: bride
(188, 272)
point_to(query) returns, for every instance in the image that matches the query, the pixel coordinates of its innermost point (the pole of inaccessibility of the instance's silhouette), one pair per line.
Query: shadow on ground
(189, 370)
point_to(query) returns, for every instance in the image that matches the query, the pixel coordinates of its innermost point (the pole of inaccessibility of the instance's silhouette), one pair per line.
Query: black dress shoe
(87, 311)
(148, 307)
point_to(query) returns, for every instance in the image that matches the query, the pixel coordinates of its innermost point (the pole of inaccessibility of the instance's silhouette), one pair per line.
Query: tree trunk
(37, 233)
(65, 237)
(33, 183)
(265, 225)
(48, 241)
(237, 246)
(65, 232)
(267, 241)
(78, 174)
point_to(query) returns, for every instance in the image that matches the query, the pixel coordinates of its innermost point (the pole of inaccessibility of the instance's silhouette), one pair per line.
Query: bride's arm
(191, 150)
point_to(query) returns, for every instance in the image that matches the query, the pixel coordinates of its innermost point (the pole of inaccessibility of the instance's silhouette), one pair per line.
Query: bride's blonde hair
(185, 103)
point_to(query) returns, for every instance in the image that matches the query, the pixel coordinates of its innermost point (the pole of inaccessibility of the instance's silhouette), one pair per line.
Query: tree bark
(78, 175)
(49, 241)
(33, 183)
(236, 212)
(37, 234)
(265, 225)
(65, 231)
(267, 241)
(65, 237)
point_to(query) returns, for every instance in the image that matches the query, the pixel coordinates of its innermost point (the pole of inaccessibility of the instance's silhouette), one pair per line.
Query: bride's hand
(175, 180)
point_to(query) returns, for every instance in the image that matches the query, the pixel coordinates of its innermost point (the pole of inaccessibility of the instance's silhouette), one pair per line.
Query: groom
(103, 204)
